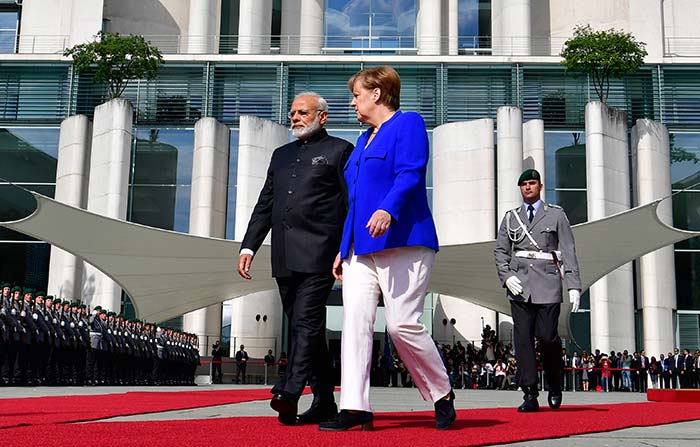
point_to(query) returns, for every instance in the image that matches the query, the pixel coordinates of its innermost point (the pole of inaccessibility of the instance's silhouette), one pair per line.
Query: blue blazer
(389, 174)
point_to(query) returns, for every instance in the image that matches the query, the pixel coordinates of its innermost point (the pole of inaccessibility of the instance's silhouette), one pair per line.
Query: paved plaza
(402, 399)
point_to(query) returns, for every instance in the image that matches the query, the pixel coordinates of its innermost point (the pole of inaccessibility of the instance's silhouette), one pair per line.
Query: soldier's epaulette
(554, 206)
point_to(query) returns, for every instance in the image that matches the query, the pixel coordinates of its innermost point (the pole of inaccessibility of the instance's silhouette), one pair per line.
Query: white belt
(538, 255)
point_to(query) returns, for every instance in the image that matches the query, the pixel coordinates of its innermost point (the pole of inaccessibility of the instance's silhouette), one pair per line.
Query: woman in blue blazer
(387, 250)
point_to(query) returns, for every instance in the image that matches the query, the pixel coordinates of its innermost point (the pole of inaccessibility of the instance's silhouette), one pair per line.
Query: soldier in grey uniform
(534, 253)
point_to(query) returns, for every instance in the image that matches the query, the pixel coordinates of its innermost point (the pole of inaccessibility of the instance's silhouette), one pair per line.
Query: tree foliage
(116, 60)
(603, 55)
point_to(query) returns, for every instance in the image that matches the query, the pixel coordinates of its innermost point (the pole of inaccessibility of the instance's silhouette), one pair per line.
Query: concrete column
(652, 166)
(509, 158)
(453, 27)
(72, 170)
(311, 27)
(533, 149)
(205, 16)
(108, 189)
(647, 25)
(208, 213)
(257, 139)
(510, 27)
(463, 160)
(608, 186)
(290, 27)
(428, 27)
(254, 26)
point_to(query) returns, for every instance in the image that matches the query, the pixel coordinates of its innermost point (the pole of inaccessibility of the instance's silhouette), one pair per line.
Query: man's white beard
(307, 131)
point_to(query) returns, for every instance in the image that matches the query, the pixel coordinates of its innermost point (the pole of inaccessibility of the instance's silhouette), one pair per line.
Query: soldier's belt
(537, 255)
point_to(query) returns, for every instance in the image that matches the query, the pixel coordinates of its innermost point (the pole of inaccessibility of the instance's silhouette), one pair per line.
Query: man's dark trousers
(541, 321)
(304, 297)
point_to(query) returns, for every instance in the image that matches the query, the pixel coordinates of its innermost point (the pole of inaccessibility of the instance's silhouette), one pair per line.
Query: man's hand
(574, 299)
(244, 262)
(338, 268)
(514, 285)
(379, 223)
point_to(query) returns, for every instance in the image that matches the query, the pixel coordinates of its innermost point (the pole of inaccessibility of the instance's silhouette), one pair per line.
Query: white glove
(574, 299)
(514, 285)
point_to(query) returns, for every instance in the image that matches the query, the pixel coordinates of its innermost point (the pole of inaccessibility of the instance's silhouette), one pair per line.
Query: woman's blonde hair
(385, 78)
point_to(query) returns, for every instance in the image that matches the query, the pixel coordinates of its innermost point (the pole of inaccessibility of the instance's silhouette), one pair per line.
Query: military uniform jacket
(540, 278)
(303, 201)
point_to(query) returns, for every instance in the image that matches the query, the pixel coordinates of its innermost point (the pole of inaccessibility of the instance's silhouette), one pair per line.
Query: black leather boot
(530, 404)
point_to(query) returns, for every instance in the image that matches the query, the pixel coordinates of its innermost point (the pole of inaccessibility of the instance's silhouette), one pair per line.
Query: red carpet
(57, 409)
(473, 427)
(674, 395)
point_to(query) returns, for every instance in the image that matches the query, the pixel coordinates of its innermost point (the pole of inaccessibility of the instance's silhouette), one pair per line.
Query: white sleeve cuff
(246, 251)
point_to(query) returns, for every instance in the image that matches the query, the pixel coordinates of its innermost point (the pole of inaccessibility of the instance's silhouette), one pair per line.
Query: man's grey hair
(322, 104)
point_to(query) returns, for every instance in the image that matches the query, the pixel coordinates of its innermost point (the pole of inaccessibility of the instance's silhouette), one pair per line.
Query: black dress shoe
(346, 420)
(285, 404)
(319, 413)
(530, 404)
(286, 419)
(445, 412)
(554, 399)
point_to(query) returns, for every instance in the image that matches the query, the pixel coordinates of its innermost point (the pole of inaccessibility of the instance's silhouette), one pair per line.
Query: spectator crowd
(493, 366)
(49, 341)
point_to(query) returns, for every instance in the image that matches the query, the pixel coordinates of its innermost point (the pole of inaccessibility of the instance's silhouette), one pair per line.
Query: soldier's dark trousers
(24, 362)
(9, 368)
(39, 361)
(541, 321)
(91, 365)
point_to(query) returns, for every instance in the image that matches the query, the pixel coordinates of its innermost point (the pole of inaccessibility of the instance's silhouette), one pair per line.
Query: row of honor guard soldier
(44, 340)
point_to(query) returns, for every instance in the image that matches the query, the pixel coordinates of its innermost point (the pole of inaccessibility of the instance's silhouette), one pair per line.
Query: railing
(327, 44)
(682, 47)
(337, 45)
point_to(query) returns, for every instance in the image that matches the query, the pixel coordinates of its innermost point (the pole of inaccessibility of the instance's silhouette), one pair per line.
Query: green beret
(66, 303)
(102, 311)
(41, 293)
(26, 291)
(529, 174)
(49, 297)
(16, 289)
(97, 308)
(74, 303)
(83, 306)
(5, 284)
(111, 314)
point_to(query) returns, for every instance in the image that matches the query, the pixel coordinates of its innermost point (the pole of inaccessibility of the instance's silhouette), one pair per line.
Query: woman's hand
(338, 268)
(379, 223)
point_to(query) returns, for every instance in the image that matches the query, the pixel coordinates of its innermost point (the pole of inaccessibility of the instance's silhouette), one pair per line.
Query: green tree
(603, 55)
(116, 60)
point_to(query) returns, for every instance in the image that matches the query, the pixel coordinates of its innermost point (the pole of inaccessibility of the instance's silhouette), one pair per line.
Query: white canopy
(167, 273)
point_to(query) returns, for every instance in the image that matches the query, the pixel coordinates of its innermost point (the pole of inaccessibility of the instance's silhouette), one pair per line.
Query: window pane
(685, 159)
(26, 265)
(687, 280)
(232, 179)
(372, 23)
(8, 31)
(163, 157)
(166, 207)
(28, 154)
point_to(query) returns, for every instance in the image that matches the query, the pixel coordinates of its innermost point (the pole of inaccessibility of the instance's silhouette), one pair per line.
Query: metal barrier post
(265, 373)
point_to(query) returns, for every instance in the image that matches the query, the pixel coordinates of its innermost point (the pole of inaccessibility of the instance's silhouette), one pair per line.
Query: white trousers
(401, 276)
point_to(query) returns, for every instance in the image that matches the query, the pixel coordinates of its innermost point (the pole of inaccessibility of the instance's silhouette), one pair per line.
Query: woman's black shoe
(445, 414)
(346, 420)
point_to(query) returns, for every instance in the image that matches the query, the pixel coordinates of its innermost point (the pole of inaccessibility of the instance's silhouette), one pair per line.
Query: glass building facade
(35, 96)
